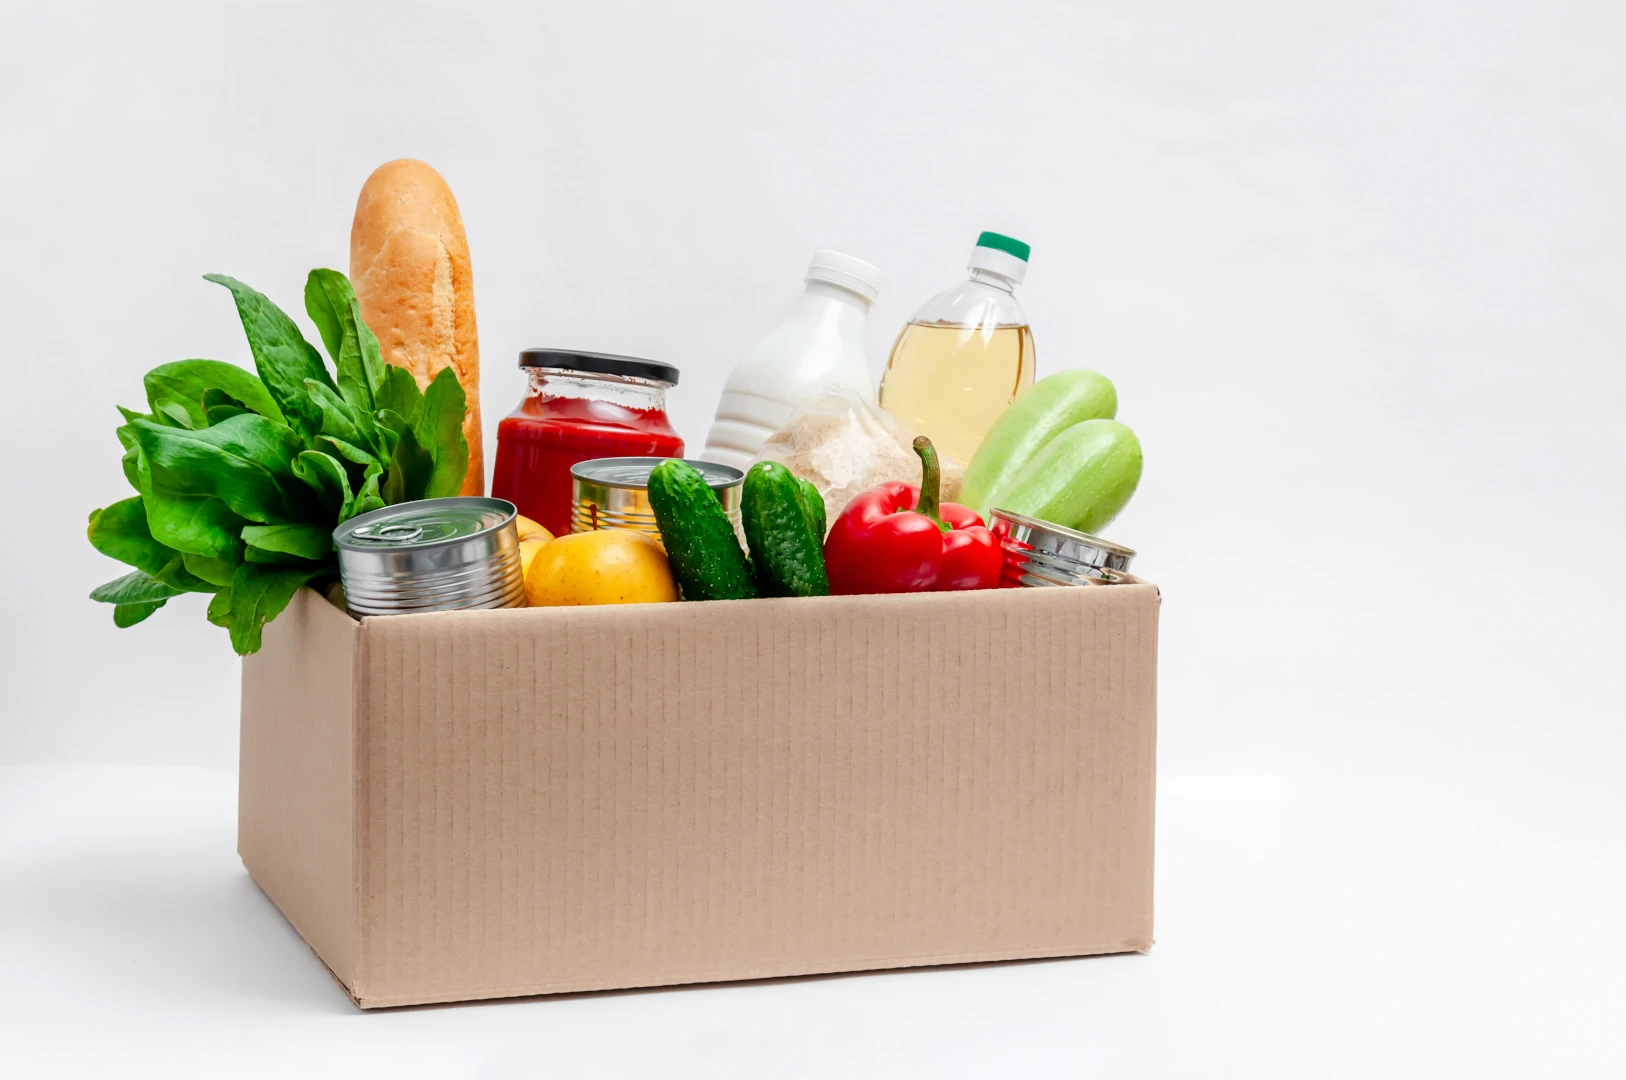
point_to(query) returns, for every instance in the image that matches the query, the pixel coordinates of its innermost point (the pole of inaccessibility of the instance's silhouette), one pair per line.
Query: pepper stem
(931, 481)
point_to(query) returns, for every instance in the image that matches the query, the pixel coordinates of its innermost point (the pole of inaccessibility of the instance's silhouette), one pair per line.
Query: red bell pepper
(898, 538)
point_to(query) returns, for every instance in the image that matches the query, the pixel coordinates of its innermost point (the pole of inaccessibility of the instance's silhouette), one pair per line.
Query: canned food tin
(1039, 553)
(431, 555)
(613, 493)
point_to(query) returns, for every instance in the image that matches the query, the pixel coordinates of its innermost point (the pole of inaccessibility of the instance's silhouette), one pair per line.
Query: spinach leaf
(327, 477)
(197, 384)
(131, 461)
(438, 427)
(258, 595)
(346, 451)
(219, 405)
(219, 611)
(282, 356)
(199, 524)
(127, 615)
(120, 532)
(367, 498)
(332, 306)
(342, 420)
(136, 587)
(400, 393)
(313, 542)
(245, 461)
(214, 396)
(173, 413)
(216, 572)
(412, 468)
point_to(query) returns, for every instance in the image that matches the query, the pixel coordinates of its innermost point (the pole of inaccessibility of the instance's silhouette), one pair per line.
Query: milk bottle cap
(852, 274)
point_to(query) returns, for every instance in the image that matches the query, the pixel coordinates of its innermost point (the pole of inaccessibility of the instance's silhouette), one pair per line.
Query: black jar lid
(629, 367)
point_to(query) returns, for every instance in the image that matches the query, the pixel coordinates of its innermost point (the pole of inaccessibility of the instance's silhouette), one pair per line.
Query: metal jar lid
(431, 555)
(613, 493)
(1041, 553)
(592, 363)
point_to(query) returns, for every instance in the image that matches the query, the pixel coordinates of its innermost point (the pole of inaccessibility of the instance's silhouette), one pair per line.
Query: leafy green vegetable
(120, 531)
(200, 524)
(332, 306)
(258, 595)
(136, 587)
(125, 615)
(215, 572)
(243, 462)
(438, 426)
(242, 478)
(308, 541)
(411, 469)
(199, 384)
(282, 356)
(328, 479)
(400, 393)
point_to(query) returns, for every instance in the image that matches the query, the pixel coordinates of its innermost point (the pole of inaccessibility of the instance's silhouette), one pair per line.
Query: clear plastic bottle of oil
(966, 355)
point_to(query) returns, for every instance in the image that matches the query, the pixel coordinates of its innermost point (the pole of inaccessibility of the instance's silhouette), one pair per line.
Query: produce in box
(900, 538)
(241, 479)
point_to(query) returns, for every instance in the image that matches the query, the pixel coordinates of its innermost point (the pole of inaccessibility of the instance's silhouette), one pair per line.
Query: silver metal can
(1039, 553)
(613, 493)
(431, 555)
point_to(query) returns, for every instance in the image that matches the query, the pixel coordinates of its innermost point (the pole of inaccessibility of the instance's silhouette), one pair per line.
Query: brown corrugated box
(496, 803)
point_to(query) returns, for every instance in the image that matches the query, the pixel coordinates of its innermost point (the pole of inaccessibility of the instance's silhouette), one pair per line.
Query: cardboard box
(496, 803)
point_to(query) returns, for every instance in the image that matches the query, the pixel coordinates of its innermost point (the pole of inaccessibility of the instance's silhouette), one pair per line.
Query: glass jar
(578, 406)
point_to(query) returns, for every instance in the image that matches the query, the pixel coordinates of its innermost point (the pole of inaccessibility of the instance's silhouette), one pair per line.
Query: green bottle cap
(1006, 244)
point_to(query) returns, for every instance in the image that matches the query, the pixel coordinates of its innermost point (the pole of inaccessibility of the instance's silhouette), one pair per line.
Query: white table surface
(1307, 925)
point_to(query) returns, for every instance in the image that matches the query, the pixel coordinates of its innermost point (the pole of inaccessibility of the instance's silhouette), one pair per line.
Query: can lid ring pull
(396, 532)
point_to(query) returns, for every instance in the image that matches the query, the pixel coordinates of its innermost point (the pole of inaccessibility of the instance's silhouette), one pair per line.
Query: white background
(1358, 271)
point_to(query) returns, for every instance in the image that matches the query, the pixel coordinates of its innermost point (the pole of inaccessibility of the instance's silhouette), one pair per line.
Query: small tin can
(1039, 553)
(613, 493)
(431, 555)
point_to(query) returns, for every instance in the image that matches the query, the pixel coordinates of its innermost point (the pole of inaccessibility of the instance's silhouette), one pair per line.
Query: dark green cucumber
(700, 542)
(815, 507)
(786, 551)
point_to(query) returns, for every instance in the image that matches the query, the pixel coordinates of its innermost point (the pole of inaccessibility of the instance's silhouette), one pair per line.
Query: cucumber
(1081, 479)
(780, 527)
(700, 542)
(1040, 413)
(815, 507)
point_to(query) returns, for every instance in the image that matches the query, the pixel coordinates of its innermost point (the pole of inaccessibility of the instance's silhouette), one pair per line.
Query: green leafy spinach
(241, 478)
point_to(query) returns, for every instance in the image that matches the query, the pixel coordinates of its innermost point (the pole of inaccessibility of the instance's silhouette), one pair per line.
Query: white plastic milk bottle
(819, 344)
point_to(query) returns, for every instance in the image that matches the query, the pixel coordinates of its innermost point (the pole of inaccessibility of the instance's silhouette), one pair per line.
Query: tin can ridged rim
(345, 543)
(718, 477)
(509, 584)
(435, 590)
(1062, 531)
(500, 600)
(504, 563)
(511, 578)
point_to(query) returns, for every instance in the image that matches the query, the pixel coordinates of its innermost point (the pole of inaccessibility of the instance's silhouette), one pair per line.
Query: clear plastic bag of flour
(844, 445)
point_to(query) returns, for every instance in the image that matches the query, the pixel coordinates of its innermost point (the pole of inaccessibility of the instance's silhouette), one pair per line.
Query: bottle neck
(998, 281)
(822, 291)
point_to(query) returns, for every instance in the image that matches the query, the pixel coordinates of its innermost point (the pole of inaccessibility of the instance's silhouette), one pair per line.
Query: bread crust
(409, 265)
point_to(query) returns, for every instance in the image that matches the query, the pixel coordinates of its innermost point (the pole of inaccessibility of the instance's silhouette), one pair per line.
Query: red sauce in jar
(538, 444)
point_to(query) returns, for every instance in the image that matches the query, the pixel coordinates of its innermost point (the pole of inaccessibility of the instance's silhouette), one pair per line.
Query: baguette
(409, 265)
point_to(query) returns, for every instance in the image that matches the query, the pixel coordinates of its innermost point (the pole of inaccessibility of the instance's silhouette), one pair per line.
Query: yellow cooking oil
(950, 381)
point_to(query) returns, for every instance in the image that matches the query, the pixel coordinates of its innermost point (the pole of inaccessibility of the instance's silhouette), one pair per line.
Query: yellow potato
(610, 566)
(531, 538)
(530, 530)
